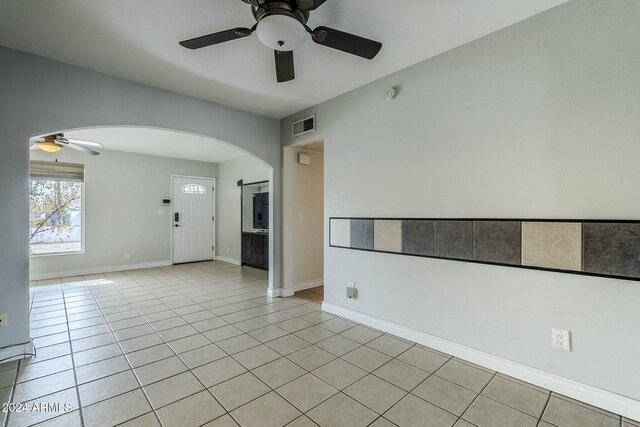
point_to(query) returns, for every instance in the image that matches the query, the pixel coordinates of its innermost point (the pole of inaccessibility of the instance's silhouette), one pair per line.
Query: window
(193, 189)
(55, 208)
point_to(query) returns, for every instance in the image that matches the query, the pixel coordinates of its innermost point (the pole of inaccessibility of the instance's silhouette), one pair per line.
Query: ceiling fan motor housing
(281, 25)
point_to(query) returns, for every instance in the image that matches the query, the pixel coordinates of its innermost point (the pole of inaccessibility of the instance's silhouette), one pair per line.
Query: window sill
(56, 254)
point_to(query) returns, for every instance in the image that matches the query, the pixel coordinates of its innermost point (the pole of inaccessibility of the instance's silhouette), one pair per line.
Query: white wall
(539, 120)
(84, 98)
(122, 197)
(303, 190)
(230, 172)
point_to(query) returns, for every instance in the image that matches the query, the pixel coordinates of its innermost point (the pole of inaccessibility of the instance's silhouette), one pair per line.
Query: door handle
(176, 217)
(177, 225)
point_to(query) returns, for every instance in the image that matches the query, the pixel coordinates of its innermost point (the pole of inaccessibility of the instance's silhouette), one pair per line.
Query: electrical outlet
(3, 319)
(352, 292)
(300, 215)
(561, 339)
(228, 249)
(127, 255)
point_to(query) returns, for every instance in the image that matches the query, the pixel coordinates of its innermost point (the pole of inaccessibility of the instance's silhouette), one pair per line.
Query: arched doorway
(121, 195)
(42, 96)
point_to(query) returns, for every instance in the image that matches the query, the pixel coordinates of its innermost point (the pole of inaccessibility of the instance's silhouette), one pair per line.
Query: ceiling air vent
(303, 126)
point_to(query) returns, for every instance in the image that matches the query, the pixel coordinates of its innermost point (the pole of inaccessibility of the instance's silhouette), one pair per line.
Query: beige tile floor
(202, 345)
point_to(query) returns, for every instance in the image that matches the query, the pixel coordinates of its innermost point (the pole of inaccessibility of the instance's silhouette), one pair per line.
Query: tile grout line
(367, 374)
(73, 362)
(14, 383)
(175, 355)
(139, 287)
(476, 398)
(15, 379)
(334, 334)
(546, 404)
(495, 375)
(267, 385)
(188, 370)
(97, 303)
(418, 385)
(128, 362)
(72, 368)
(290, 381)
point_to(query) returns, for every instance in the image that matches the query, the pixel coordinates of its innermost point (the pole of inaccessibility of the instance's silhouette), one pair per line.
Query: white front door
(192, 219)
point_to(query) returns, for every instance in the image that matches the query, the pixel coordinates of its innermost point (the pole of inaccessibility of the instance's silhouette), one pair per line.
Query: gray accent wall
(40, 96)
(538, 120)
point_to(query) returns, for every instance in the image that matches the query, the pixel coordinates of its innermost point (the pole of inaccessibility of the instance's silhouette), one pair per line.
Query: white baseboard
(16, 352)
(274, 292)
(609, 401)
(287, 292)
(308, 285)
(229, 260)
(97, 270)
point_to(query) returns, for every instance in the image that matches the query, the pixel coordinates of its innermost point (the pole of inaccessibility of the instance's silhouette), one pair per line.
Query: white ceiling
(158, 142)
(138, 40)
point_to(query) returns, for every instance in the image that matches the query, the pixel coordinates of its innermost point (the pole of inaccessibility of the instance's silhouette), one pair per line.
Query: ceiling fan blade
(216, 38)
(284, 66)
(346, 42)
(310, 4)
(81, 148)
(84, 142)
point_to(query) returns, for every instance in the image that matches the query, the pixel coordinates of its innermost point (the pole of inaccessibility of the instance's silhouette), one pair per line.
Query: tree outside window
(55, 216)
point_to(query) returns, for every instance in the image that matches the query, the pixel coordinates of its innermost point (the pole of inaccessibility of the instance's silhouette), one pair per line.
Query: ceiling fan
(282, 26)
(56, 142)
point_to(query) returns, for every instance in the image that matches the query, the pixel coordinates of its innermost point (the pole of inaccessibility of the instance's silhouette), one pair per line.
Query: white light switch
(3, 319)
(160, 212)
(300, 215)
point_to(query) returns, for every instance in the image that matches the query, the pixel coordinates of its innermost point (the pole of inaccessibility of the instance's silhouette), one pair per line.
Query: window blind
(56, 171)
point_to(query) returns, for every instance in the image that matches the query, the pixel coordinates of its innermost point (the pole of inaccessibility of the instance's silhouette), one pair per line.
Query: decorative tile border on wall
(498, 241)
(552, 245)
(387, 235)
(454, 239)
(603, 248)
(418, 237)
(362, 234)
(612, 249)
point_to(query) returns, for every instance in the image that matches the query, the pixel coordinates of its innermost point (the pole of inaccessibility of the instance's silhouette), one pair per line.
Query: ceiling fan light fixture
(48, 146)
(281, 32)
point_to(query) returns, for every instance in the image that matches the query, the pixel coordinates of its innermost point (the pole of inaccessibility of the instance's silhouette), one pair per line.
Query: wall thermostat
(390, 93)
(166, 201)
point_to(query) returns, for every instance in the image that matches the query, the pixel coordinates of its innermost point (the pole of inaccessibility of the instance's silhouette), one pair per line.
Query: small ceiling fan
(56, 142)
(282, 26)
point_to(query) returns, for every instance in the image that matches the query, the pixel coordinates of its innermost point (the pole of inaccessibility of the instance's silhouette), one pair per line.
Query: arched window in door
(193, 189)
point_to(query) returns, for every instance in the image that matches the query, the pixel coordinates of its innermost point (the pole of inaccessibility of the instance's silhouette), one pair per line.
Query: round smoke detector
(390, 93)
